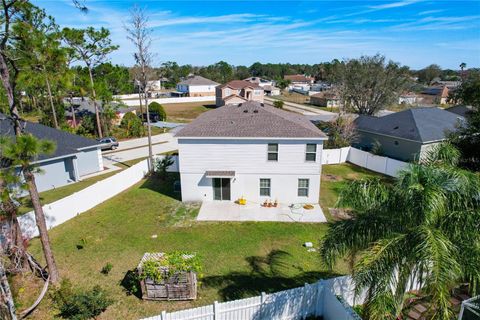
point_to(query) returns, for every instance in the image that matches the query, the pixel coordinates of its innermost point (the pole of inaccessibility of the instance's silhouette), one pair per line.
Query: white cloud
(390, 5)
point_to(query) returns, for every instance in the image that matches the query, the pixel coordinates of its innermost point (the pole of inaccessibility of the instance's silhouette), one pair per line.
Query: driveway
(138, 148)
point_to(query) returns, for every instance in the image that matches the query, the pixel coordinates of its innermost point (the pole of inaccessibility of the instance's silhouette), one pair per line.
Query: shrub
(107, 268)
(132, 125)
(80, 305)
(161, 166)
(278, 104)
(158, 108)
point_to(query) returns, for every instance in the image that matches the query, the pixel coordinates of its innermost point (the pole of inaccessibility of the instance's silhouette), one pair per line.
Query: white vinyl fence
(67, 208)
(318, 299)
(384, 165)
(135, 102)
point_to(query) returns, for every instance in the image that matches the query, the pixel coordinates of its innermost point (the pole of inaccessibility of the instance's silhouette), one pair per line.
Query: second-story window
(311, 154)
(273, 152)
(228, 92)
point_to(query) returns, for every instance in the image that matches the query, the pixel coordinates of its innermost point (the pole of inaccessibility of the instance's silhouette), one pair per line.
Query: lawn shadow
(164, 185)
(267, 274)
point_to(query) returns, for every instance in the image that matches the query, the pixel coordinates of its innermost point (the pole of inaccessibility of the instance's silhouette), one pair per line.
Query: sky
(415, 33)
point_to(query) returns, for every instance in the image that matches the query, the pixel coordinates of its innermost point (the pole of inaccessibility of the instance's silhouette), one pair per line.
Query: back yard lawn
(334, 177)
(234, 254)
(149, 218)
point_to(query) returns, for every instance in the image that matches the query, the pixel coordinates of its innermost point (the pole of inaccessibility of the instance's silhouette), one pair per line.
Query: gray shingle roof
(66, 143)
(418, 124)
(198, 81)
(251, 119)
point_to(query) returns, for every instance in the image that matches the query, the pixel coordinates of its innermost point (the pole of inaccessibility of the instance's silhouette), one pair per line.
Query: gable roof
(198, 81)
(250, 119)
(66, 143)
(240, 84)
(418, 124)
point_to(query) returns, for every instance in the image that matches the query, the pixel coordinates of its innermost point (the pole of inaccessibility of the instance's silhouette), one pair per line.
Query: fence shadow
(268, 274)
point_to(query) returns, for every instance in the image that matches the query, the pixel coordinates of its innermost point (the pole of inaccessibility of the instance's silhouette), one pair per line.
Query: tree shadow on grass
(164, 185)
(267, 274)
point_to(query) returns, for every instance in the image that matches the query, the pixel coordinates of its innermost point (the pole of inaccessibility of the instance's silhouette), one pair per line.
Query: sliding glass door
(221, 188)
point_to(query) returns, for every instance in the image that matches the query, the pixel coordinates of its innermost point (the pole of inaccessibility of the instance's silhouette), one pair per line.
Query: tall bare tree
(139, 34)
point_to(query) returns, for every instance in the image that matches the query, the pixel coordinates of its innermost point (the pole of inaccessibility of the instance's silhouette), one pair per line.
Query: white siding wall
(248, 158)
(210, 88)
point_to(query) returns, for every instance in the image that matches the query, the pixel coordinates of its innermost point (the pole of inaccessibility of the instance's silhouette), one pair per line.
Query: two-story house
(250, 150)
(197, 86)
(238, 91)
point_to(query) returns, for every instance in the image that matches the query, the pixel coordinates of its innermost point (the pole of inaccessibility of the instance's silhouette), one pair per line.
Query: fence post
(215, 310)
(163, 316)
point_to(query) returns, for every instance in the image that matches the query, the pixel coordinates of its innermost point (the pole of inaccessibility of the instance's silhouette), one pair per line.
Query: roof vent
(395, 128)
(245, 111)
(255, 111)
(261, 104)
(239, 105)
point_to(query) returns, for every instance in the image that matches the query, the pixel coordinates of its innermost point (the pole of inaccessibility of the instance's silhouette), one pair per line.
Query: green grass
(120, 231)
(62, 192)
(336, 176)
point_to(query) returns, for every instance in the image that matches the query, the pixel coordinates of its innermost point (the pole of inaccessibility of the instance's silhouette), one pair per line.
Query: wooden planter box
(180, 286)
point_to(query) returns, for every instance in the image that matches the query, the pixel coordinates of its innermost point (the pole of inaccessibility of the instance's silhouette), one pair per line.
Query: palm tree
(463, 65)
(25, 150)
(422, 227)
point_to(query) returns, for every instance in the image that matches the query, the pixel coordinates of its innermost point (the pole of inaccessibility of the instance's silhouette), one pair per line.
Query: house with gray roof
(197, 86)
(251, 151)
(408, 134)
(74, 157)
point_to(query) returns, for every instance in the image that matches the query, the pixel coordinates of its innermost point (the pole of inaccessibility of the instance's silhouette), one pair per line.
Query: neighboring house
(74, 157)
(325, 99)
(299, 79)
(408, 134)
(238, 91)
(253, 151)
(451, 85)
(197, 86)
(434, 95)
(409, 98)
(84, 107)
(271, 90)
(299, 83)
(260, 81)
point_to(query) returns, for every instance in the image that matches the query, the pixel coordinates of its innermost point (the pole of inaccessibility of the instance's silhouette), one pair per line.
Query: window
(265, 187)
(311, 154)
(272, 152)
(228, 92)
(303, 187)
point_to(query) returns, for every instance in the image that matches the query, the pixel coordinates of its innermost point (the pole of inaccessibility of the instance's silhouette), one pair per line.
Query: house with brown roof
(238, 91)
(197, 86)
(251, 151)
(296, 79)
(325, 99)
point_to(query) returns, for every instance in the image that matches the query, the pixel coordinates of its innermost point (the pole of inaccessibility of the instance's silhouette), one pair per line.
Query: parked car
(109, 143)
(154, 117)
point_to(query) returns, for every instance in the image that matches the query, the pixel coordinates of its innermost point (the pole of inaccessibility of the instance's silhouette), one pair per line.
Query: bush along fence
(384, 165)
(319, 299)
(67, 208)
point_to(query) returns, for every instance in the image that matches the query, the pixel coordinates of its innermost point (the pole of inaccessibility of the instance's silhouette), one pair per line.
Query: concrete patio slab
(230, 211)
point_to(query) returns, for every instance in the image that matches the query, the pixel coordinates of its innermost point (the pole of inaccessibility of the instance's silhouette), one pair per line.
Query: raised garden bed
(168, 277)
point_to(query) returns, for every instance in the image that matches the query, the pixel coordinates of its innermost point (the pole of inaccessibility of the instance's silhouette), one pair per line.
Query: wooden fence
(318, 299)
